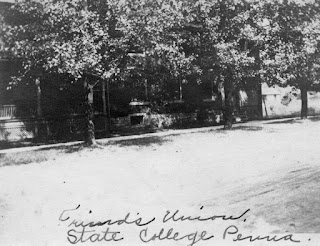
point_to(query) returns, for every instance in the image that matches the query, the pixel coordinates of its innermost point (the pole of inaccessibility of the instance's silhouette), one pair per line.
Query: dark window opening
(136, 120)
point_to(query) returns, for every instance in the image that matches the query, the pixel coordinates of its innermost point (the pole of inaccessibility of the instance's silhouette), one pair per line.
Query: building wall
(7, 69)
(284, 102)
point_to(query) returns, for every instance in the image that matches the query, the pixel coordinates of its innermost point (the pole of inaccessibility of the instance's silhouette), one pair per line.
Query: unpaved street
(272, 169)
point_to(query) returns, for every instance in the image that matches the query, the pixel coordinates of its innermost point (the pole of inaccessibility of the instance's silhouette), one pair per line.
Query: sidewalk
(156, 134)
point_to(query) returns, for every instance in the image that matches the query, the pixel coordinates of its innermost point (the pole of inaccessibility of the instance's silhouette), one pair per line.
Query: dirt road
(271, 169)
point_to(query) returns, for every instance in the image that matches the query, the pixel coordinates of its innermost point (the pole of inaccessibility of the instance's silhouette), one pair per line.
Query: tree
(201, 35)
(168, 43)
(156, 50)
(65, 37)
(290, 56)
(236, 59)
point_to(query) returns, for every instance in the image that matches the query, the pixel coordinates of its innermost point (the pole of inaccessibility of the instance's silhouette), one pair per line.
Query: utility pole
(146, 88)
(180, 87)
(259, 85)
(39, 110)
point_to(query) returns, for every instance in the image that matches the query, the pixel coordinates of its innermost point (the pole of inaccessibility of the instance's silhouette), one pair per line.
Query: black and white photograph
(160, 122)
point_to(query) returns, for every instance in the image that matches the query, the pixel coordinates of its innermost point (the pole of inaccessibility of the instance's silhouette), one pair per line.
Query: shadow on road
(291, 121)
(241, 128)
(140, 142)
(40, 155)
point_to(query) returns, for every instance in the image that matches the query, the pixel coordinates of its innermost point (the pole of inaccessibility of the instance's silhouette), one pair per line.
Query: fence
(73, 127)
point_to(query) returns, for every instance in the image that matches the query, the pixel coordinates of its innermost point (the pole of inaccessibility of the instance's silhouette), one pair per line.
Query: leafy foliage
(155, 50)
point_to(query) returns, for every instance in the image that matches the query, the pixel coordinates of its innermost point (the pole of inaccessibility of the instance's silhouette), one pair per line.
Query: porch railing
(8, 111)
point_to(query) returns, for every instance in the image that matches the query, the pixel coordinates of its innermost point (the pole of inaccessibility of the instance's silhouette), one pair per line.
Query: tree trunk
(228, 109)
(89, 114)
(304, 99)
(105, 113)
(228, 112)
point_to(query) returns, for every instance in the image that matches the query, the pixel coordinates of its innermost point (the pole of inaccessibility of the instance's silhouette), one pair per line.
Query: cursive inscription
(126, 220)
(233, 230)
(92, 236)
(80, 231)
(176, 217)
(174, 236)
